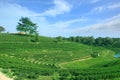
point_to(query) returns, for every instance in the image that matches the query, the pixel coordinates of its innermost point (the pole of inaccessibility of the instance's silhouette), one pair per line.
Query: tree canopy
(90, 40)
(2, 29)
(27, 26)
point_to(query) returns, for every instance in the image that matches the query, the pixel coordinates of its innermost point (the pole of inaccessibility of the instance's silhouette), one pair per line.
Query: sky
(98, 18)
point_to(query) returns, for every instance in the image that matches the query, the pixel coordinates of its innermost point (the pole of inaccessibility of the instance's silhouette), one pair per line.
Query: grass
(40, 61)
(105, 57)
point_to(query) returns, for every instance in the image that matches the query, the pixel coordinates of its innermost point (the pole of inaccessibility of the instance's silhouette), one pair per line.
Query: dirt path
(4, 77)
(82, 59)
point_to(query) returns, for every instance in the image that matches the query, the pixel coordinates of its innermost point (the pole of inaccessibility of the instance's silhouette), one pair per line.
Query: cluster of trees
(107, 41)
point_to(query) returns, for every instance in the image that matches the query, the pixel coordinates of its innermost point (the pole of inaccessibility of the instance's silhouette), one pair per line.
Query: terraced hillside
(51, 60)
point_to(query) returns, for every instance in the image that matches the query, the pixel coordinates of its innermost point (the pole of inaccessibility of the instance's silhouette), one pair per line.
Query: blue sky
(98, 18)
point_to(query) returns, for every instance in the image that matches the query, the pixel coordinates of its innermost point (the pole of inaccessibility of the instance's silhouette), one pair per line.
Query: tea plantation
(51, 60)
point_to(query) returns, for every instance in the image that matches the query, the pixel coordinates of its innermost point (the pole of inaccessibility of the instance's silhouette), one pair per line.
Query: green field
(105, 57)
(51, 60)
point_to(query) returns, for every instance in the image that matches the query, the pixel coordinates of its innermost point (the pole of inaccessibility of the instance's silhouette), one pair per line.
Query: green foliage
(95, 54)
(27, 26)
(116, 44)
(106, 56)
(90, 74)
(59, 38)
(31, 61)
(2, 29)
(104, 42)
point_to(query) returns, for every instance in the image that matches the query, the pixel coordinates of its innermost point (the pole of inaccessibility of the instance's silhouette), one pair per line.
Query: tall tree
(27, 26)
(2, 29)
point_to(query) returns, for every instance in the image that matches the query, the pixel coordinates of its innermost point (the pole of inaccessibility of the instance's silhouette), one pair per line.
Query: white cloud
(114, 6)
(98, 9)
(106, 7)
(66, 24)
(14, 10)
(10, 13)
(60, 7)
(60, 28)
(110, 27)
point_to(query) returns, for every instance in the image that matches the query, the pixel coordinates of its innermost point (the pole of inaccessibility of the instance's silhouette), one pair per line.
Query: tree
(2, 29)
(72, 39)
(78, 39)
(27, 26)
(98, 41)
(59, 38)
(89, 40)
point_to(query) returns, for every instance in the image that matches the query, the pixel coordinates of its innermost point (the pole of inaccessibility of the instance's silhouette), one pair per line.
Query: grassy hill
(51, 60)
(105, 57)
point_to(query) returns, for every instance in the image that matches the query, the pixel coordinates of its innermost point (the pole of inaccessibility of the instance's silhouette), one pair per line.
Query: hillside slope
(31, 61)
